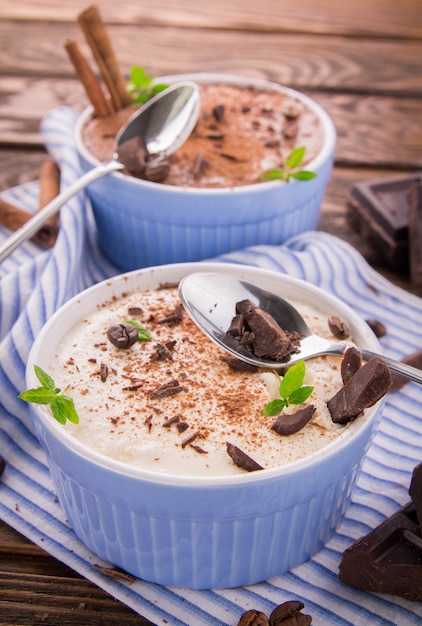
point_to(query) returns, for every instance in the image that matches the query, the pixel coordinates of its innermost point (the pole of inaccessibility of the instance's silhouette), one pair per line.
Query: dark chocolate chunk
(237, 326)
(388, 559)
(182, 426)
(238, 365)
(132, 154)
(370, 383)
(253, 618)
(176, 317)
(338, 328)
(218, 112)
(377, 327)
(290, 614)
(350, 363)
(122, 336)
(241, 459)
(269, 339)
(415, 492)
(190, 439)
(414, 359)
(415, 233)
(290, 424)
(156, 170)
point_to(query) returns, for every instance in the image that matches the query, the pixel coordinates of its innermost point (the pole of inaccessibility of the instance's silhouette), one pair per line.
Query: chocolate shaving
(182, 426)
(176, 317)
(199, 165)
(190, 439)
(171, 420)
(289, 424)
(238, 365)
(198, 449)
(241, 459)
(167, 389)
(263, 336)
(231, 157)
(291, 129)
(350, 363)
(134, 387)
(103, 372)
(370, 383)
(148, 422)
(163, 351)
(338, 328)
(134, 310)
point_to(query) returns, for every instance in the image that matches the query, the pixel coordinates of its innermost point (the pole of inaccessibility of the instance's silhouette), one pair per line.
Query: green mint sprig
(140, 85)
(61, 406)
(143, 333)
(291, 390)
(292, 163)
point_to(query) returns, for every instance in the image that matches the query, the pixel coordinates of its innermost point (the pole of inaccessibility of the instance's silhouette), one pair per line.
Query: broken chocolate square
(379, 211)
(389, 558)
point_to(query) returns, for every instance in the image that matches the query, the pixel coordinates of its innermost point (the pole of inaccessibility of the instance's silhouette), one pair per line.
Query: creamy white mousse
(124, 416)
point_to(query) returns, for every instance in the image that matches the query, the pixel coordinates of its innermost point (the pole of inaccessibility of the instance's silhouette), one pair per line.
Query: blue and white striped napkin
(34, 283)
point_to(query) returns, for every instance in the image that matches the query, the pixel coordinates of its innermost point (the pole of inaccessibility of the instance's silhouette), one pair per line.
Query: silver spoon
(164, 123)
(210, 301)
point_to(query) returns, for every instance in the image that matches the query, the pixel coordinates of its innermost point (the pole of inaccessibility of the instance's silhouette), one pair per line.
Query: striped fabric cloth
(35, 283)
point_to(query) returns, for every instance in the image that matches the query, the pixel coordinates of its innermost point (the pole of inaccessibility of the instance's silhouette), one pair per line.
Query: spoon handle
(397, 367)
(34, 224)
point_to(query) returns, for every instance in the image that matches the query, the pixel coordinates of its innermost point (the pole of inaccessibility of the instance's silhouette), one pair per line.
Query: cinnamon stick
(13, 217)
(102, 105)
(100, 43)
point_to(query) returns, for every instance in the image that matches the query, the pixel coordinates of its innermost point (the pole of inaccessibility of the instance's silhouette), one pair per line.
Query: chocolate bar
(389, 559)
(415, 233)
(379, 211)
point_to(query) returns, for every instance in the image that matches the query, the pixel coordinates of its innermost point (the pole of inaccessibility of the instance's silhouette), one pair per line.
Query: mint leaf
(62, 407)
(37, 396)
(290, 390)
(140, 85)
(143, 333)
(295, 158)
(46, 381)
(304, 175)
(292, 163)
(274, 407)
(292, 379)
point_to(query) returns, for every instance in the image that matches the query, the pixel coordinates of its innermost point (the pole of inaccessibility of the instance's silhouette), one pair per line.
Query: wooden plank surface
(361, 60)
(357, 18)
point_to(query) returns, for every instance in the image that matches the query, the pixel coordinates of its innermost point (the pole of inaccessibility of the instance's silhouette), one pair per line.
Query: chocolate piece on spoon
(370, 383)
(350, 363)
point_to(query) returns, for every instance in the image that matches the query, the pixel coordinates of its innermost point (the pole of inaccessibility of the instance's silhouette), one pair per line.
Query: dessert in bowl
(208, 206)
(185, 514)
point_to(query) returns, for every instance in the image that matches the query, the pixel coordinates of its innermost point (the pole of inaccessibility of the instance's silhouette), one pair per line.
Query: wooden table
(360, 60)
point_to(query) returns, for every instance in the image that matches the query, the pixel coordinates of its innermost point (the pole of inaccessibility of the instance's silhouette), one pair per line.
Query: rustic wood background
(361, 60)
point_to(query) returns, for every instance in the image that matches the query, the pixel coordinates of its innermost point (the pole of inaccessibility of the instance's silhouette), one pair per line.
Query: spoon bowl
(164, 123)
(210, 301)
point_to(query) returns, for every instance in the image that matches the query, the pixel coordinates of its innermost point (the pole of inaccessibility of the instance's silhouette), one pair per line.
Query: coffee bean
(338, 328)
(289, 614)
(253, 618)
(122, 336)
(377, 327)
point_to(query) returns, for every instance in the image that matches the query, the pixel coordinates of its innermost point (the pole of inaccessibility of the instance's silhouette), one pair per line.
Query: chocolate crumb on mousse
(167, 389)
(259, 333)
(241, 459)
